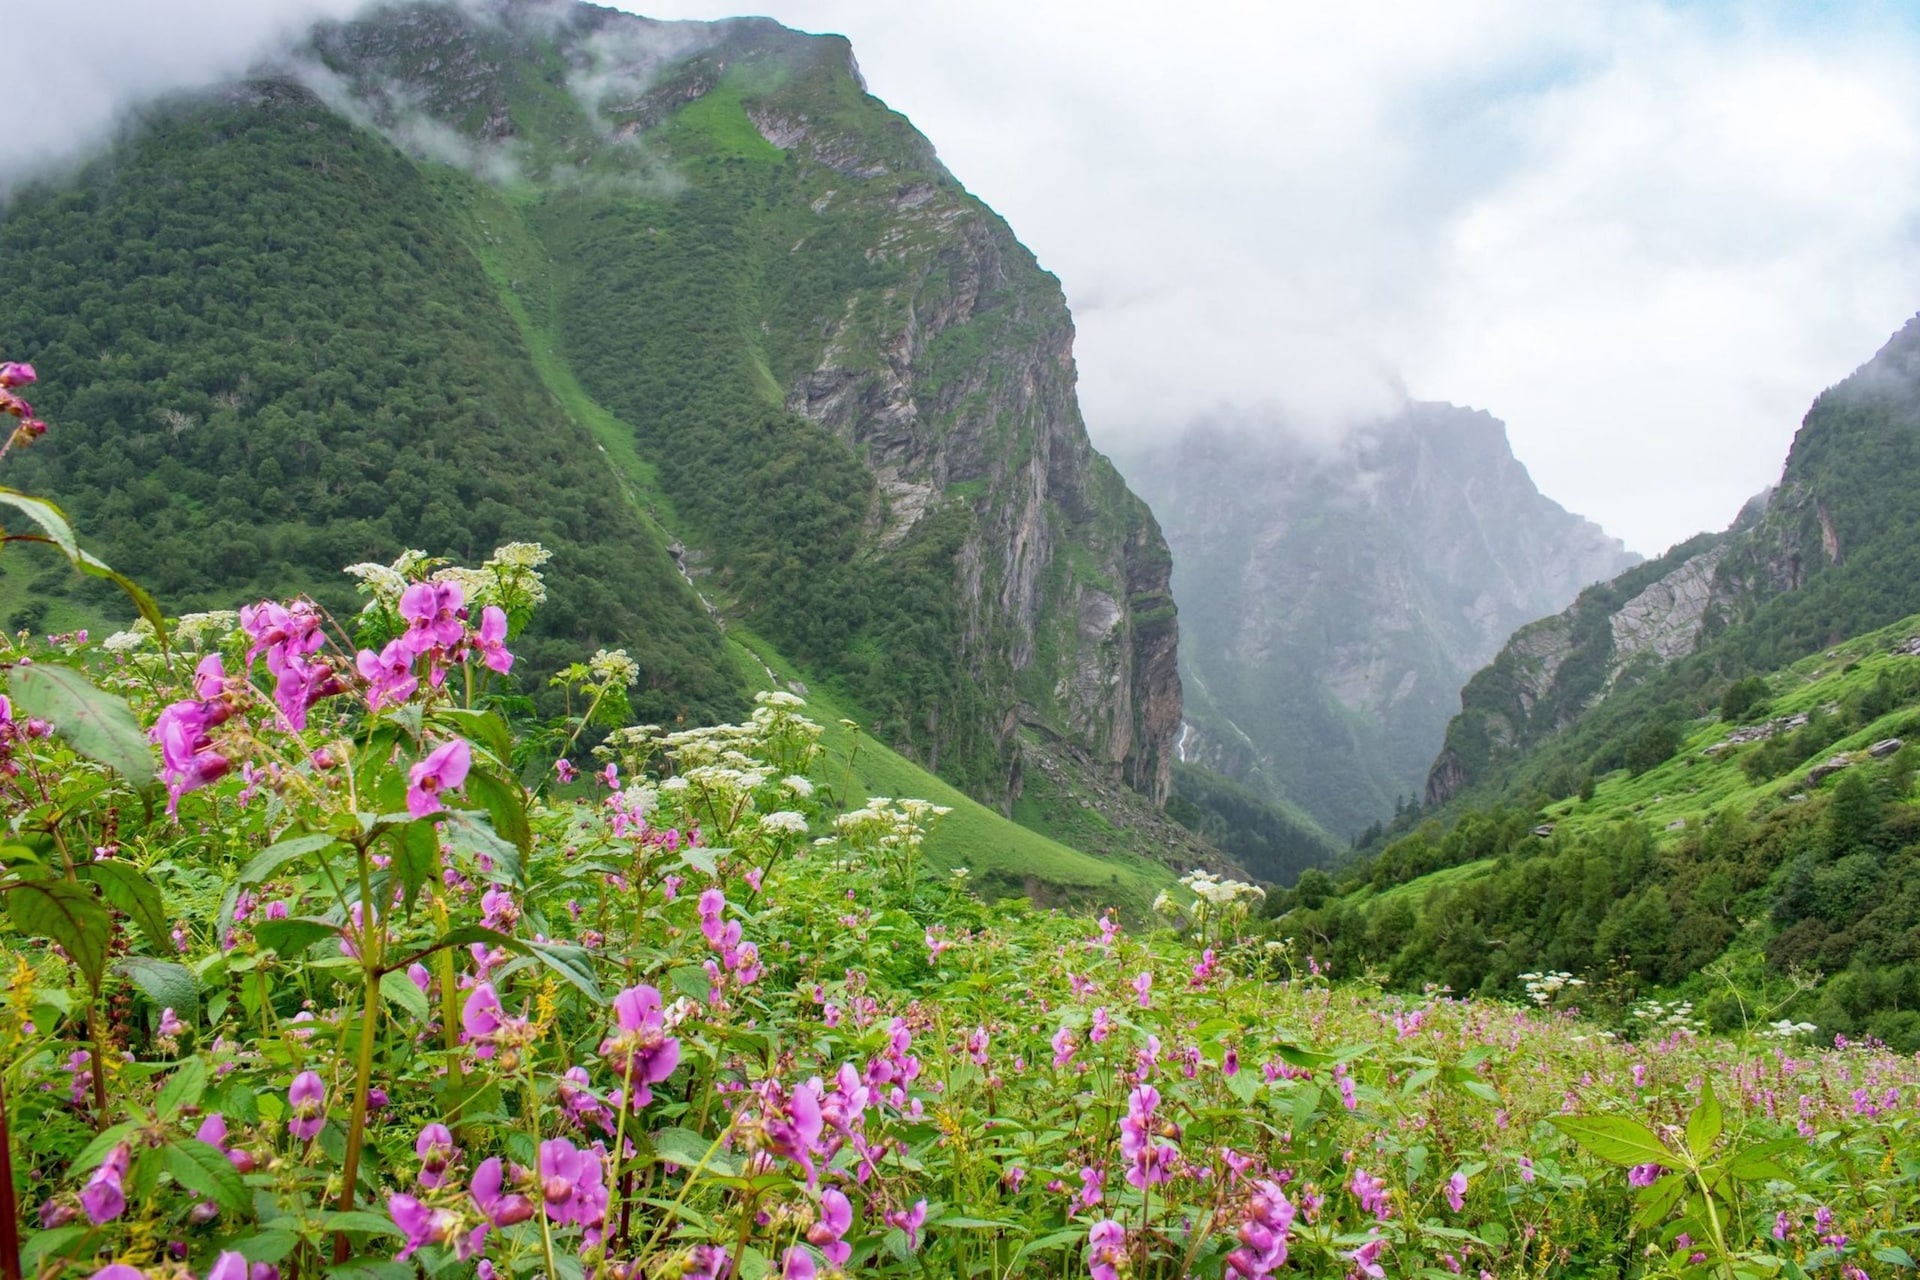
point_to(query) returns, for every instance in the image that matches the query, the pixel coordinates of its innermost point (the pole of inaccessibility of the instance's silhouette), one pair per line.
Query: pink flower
(500, 1210)
(1106, 1249)
(482, 1018)
(1644, 1175)
(444, 769)
(307, 1101)
(431, 610)
(228, 1266)
(1063, 1047)
(490, 641)
(1143, 987)
(1371, 1192)
(1151, 1162)
(641, 1053)
(435, 1149)
(836, 1218)
(1457, 1192)
(797, 1264)
(1364, 1259)
(570, 1183)
(389, 675)
(426, 1225)
(187, 758)
(910, 1221)
(1263, 1234)
(105, 1195)
(563, 770)
(15, 374)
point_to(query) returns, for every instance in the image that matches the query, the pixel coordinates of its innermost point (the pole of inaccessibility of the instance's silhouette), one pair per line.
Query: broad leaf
(1615, 1139)
(1703, 1126)
(484, 727)
(275, 856)
(203, 1168)
(570, 962)
(70, 915)
(399, 990)
(292, 936)
(93, 566)
(504, 808)
(167, 984)
(134, 892)
(51, 519)
(183, 1089)
(467, 830)
(97, 725)
(416, 859)
(1756, 1163)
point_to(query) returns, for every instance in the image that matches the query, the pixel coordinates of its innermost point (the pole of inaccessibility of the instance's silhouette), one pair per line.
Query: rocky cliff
(1336, 596)
(1827, 553)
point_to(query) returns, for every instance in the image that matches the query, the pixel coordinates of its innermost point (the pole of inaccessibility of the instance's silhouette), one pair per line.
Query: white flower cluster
(516, 567)
(138, 636)
(778, 698)
(612, 668)
(1543, 987)
(206, 630)
(887, 824)
(1787, 1029)
(784, 820)
(1219, 893)
(511, 578)
(1674, 1016)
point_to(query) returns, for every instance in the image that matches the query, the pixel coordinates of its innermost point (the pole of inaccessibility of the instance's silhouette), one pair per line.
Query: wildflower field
(326, 956)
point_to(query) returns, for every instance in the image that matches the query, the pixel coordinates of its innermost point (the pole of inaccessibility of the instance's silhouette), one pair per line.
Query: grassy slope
(1003, 856)
(1689, 786)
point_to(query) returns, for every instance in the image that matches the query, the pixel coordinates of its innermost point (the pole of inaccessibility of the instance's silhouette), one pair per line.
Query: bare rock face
(1666, 619)
(1334, 597)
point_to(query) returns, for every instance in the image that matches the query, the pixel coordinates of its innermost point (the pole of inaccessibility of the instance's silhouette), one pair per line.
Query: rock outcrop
(1334, 598)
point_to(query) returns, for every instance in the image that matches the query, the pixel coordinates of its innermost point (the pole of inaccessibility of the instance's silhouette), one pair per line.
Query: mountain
(680, 301)
(1335, 596)
(1826, 554)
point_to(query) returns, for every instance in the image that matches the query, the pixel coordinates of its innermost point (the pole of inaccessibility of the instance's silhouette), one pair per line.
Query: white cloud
(1644, 235)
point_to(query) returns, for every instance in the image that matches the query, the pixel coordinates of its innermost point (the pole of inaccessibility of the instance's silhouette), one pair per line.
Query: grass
(1002, 856)
(1689, 785)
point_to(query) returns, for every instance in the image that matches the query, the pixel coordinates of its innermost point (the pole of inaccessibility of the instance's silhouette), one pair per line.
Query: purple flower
(307, 1100)
(1457, 1192)
(1644, 1175)
(389, 675)
(1150, 1162)
(1106, 1249)
(431, 610)
(641, 1053)
(228, 1266)
(15, 374)
(482, 1018)
(1371, 1192)
(910, 1221)
(119, 1271)
(570, 1182)
(797, 1264)
(435, 1148)
(490, 641)
(105, 1195)
(187, 758)
(836, 1219)
(444, 769)
(1263, 1234)
(425, 1225)
(501, 1210)
(1365, 1259)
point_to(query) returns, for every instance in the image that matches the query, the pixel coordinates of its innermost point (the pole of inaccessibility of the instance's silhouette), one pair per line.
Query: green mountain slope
(1831, 554)
(1765, 860)
(680, 301)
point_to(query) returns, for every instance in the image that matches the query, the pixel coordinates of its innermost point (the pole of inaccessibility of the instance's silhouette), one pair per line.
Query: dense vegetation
(1739, 866)
(391, 986)
(1268, 841)
(259, 382)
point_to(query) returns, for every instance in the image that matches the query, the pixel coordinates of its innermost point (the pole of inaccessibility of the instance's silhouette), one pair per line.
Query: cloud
(76, 65)
(1644, 235)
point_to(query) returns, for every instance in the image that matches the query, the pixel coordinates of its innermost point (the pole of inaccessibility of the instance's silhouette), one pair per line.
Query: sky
(1643, 234)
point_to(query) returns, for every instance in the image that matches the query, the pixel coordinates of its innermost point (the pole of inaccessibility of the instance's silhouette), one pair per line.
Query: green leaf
(1614, 1139)
(692, 982)
(96, 724)
(275, 856)
(398, 988)
(466, 830)
(183, 1089)
(42, 1243)
(370, 1269)
(70, 915)
(416, 858)
(292, 936)
(204, 1168)
(505, 808)
(1243, 1085)
(1658, 1200)
(483, 727)
(685, 1148)
(1419, 1080)
(1756, 1163)
(50, 518)
(267, 1246)
(361, 1220)
(1703, 1126)
(1896, 1255)
(134, 892)
(167, 984)
(570, 962)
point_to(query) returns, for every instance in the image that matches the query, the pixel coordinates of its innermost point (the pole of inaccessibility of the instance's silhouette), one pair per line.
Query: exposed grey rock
(1885, 747)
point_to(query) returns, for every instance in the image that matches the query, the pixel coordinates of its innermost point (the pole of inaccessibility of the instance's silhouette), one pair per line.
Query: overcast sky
(1643, 234)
